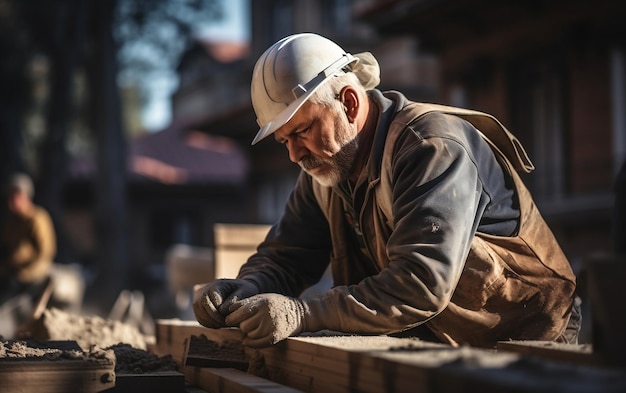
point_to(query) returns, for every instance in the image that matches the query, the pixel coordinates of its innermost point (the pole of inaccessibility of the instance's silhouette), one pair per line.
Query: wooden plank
(304, 377)
(342, 363)
(297, 381)
(153, 382)
(326, 372)
(226, 380)
(473, 369)
(329, 364)
(239, 235)
(171, 336)
(189, 265)
(234, 244)
(341, 346)
(574, 353)
(57, 376)
(203, 352)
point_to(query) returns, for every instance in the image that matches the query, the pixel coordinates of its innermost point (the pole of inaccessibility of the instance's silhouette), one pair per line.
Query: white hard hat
(288, 73)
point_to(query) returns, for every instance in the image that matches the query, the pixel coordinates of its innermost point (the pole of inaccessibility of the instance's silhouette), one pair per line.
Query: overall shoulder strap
(501, 140)
(490, 128)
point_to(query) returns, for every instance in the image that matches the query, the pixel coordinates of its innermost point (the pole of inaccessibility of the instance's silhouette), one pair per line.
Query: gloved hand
(267, 318)
(211, 301)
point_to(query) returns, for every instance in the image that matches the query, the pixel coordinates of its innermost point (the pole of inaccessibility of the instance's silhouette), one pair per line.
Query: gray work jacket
(427, 262)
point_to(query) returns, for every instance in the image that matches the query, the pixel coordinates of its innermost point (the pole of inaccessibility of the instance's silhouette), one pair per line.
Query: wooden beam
(228, 380)
(234, 244)
(572, 353)
(172, 334)
(203, 352)
(153, 382)
(58, 376)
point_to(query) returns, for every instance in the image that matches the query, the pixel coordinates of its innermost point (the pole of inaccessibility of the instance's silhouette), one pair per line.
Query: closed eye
(303, 132)
(280, 139)
(299, 133)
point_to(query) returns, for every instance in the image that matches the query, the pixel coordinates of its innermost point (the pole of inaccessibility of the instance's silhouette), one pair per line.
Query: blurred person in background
(27, 243)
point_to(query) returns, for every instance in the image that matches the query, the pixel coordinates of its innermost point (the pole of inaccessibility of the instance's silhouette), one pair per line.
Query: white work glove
(268, 318)
(212, 301)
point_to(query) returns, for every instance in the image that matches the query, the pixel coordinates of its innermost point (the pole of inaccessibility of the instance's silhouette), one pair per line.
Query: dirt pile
(83, 353)
(36, 350)
(227, 350)
(87, 331)
(131, 360)
(204, 352)
(127, 360)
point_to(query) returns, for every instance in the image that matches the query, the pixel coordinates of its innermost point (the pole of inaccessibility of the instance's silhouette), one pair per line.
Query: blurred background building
(552, 71)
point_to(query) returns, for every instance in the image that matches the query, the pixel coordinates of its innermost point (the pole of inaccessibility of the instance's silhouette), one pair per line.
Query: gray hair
(21, 182)
(326, 94)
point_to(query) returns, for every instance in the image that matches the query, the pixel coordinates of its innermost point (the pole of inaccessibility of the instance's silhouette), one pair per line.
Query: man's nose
(296, 151)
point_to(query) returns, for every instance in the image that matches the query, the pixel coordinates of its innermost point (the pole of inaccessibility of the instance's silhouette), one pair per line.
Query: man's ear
(350, 101)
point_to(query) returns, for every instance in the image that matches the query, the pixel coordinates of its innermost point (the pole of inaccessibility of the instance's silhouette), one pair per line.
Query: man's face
(19, 202)
(322, 141)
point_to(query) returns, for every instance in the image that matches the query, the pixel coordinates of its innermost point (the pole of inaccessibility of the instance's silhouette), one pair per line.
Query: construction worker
(428, 228)
(28, 242)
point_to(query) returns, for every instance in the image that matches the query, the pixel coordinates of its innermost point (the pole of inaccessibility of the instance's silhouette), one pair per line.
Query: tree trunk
(14, 58)
(54, 157)
(110, 183)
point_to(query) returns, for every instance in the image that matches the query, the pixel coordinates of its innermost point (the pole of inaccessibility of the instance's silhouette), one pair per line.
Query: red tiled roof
(176, 156)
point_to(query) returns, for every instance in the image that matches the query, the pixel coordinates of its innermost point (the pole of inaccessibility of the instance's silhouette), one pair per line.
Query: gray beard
(340, 164)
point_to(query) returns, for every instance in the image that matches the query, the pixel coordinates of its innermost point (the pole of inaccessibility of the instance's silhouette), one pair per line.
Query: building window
(548, 141)
(618, 101)
(547, 94)
(335, 15)
(538, 94)
(281, 24)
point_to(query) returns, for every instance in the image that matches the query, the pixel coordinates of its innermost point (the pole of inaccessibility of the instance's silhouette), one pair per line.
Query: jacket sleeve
(297, 249)
(437, 202)
(44, 237)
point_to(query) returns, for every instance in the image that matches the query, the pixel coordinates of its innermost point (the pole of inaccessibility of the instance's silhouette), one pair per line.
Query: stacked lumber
(341, 363)
(380, 363)
(173, 337)
(348, 364)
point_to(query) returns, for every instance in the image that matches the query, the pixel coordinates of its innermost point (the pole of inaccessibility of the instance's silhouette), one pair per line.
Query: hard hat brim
(290, 110)
(283, 117)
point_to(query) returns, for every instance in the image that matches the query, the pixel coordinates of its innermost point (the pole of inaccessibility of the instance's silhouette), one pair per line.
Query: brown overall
(519, 287)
